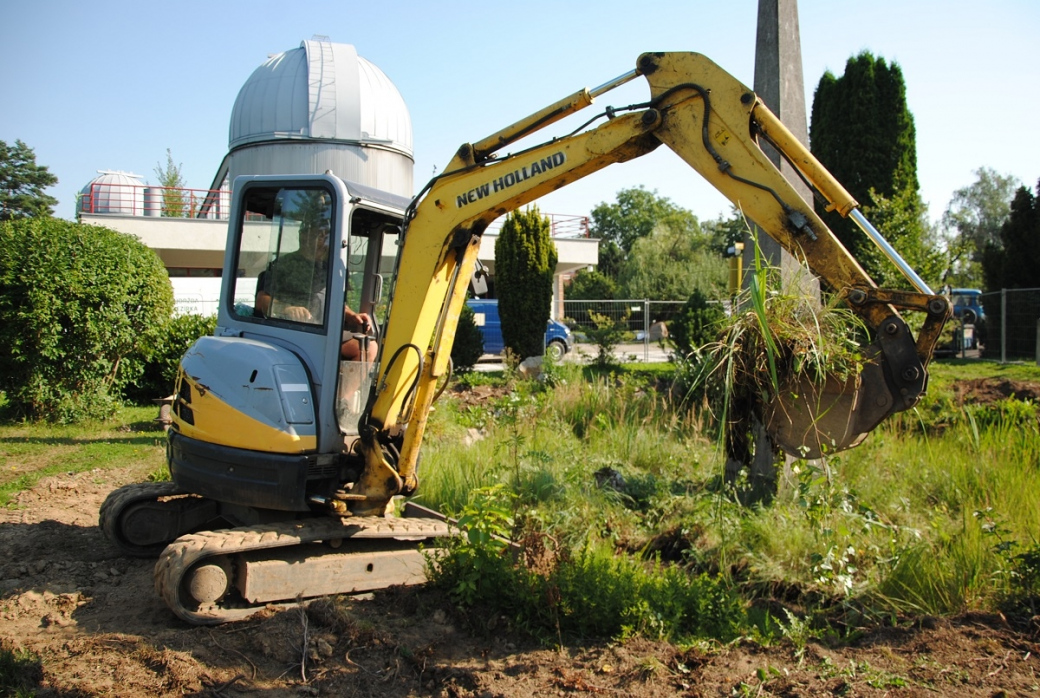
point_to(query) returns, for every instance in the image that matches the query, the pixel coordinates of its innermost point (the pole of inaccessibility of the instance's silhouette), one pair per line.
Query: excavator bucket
(813, 418)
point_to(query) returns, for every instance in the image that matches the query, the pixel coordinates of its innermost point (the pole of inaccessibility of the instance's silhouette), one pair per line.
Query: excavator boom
(714, 123)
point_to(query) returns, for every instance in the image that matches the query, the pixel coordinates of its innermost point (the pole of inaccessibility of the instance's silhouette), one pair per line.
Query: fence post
(646, 329)
(1038, 342)
(1003, 325)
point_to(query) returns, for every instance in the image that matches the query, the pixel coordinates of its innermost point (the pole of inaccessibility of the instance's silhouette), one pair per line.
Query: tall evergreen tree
(863, 132)
(1014, 262)
(22, 182)
(525, 260)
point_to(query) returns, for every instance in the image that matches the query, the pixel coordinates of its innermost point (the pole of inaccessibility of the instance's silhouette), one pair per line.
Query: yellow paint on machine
(217, 422)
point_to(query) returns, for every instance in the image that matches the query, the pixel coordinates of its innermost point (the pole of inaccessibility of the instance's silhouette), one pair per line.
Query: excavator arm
(715, 124)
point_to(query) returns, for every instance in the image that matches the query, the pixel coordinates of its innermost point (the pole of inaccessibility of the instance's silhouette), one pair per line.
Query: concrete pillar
(778, 82)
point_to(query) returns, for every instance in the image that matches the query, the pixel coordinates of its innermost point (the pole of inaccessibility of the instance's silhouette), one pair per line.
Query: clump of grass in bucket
(782, 337)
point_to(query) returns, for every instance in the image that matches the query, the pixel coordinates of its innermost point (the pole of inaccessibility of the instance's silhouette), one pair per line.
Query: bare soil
(92, 616)
(985, 391)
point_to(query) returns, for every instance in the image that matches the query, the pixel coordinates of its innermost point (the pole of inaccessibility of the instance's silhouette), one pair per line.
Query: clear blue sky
(109, 84)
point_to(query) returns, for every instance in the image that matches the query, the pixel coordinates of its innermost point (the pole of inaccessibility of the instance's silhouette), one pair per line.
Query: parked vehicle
(558, 338)
(967, 305)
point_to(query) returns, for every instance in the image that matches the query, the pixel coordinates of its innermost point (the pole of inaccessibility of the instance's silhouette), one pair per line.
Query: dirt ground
(95, 621)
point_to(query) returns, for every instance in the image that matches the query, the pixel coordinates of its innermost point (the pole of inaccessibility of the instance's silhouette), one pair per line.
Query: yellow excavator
(297, 424)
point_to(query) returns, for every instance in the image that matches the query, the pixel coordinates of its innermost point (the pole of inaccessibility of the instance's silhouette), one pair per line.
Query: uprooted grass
(783, 339)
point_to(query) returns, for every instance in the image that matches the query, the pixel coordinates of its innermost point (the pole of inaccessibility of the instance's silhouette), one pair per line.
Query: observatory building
(310, 109)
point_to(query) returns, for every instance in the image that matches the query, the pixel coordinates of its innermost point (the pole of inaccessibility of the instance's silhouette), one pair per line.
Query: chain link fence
(1011, 328)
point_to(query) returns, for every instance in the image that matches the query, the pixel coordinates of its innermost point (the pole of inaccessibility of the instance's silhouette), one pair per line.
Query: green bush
(160, 369)
(697, 324)
(588, 592)
(80, 306)
(468, 346)
(525, 260)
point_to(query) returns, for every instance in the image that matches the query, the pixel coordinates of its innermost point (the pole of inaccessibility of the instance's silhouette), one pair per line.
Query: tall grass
(927, 516)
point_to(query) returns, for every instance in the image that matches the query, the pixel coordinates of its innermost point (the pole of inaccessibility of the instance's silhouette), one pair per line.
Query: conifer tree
(863, 132)
(525, 260)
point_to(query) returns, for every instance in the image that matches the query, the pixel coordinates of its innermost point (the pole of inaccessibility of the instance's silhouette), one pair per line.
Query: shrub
(80, 306)
(525, 260)
(468, 346)
(160, 369)
(697, 324)
(553, 592)
(606, 334)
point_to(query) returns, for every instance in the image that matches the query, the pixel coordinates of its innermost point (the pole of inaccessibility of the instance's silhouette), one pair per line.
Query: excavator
(290, 457)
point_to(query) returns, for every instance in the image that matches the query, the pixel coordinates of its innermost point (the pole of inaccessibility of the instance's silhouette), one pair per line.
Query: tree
(468, 345)
(22, 182)
(611, 259)
(635, 215)
(525, 260)
(1014, 261)
(972, 221)
(698, 323)
(80, 309)
(591, 286)
(863, 132)
(671, 263)
(172, 182)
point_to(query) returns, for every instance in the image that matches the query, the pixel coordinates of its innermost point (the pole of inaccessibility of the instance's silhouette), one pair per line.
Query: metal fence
(1012, 324)
(643, 318)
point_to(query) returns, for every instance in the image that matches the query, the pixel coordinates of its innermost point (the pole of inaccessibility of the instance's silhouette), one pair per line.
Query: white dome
(321, 91)
(113, 191)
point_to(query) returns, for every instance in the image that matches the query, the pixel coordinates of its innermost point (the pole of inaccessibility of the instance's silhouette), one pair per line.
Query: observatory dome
(113, 191)
(322, 107)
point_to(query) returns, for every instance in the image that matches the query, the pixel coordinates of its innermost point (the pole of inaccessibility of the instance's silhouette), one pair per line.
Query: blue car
(558, 339)
(967, 305)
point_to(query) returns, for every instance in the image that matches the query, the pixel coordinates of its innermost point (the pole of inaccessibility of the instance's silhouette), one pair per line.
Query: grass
(934, 514)
(29, 451)
(20, 671)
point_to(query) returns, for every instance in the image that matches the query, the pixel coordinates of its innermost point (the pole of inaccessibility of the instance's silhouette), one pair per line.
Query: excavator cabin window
(284, 256)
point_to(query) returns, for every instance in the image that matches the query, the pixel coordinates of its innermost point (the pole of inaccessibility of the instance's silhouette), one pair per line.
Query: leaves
(76, 303)
(22, 182)
(525, 260)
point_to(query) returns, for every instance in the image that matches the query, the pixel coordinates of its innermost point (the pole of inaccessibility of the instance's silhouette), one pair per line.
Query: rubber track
(187, 551)
(116, 503)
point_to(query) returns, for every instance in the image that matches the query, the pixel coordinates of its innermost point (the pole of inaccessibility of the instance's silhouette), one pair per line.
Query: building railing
(178, 202)
(153, 201)
(560, 225)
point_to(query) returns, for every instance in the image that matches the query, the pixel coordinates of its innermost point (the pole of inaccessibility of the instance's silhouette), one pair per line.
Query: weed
(21, 670)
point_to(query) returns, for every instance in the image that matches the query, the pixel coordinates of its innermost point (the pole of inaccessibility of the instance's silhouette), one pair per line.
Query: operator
(293, 288)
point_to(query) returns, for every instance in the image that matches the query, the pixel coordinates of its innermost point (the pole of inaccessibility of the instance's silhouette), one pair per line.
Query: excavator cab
(274, 393)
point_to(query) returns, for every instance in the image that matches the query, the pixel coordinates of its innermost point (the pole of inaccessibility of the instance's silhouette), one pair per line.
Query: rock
(531, 367)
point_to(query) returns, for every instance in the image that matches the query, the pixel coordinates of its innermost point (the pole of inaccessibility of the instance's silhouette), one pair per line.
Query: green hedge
(160, 369)
(81, 307)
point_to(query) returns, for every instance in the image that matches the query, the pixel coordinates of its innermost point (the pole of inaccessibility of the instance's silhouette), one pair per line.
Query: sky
(111, 85)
